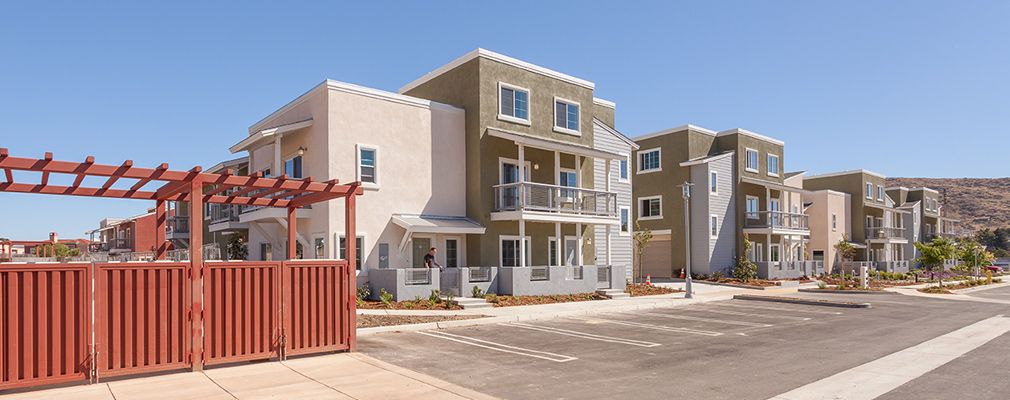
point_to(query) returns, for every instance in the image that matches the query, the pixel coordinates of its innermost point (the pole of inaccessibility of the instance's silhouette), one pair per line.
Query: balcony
(884, 233)
(177, 227)
(538, 201)
(776, 220)
(226, 218)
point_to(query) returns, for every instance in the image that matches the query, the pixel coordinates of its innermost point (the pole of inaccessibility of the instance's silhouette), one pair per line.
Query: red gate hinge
(189, 315)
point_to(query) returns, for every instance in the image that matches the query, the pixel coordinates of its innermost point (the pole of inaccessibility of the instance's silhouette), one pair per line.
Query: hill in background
(977, 202)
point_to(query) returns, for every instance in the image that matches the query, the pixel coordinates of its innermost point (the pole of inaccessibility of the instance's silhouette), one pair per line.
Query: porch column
(522, 240)
(276, 169)
(607, 250)
(293, 241)
(350, 226)
(161, 219)
(578, 171)
(560, 241)
(578, 246)
(768, 248)
(196, 270)
(557, 168)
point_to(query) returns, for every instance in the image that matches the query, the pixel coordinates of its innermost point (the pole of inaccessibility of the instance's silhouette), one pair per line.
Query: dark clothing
(429, 261)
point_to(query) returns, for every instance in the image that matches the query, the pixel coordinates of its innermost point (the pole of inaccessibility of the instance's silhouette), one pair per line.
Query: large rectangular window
(880, 193)
(625, 224)
(293, 167)
(320, 248)
(566, 115)
(368, 164)
(714, 182)
(451, 253)
(773, 165)
(752, 207)
(650, 207)
(624, 170)
(510, 251)
(715, 225)
(869, 190)
(774, 253)
(552, 258)
(358, 246)
(514, 102)
(648, 160)
(752, 161)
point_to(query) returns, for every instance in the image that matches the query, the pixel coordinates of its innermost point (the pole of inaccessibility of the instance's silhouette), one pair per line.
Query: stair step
(613, 293)
(471, 303)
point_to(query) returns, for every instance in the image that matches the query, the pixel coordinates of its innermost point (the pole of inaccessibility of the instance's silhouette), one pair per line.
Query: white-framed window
(293, 167)
(834, 222)
(713, 182)
(759, 252)
(266, 251)
(552, 247)
(359, 249)
(368, 165)
(869, 190)
(880, 193)
(568, 178)
(452, 251)
(513, 103)
(566, 116)
(753, 207)
(625, 221)
(509, 256)
(509, 171)
(714, 225)
(869, 221)
(319, 246)
(623, 170)
(773, 250)
(775, 205)
(649, 160)
(650, 207)
(773, 165)
(752, 161)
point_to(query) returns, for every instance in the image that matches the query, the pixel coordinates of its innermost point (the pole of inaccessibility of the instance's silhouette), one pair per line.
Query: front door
(420, 247)
(571, 251)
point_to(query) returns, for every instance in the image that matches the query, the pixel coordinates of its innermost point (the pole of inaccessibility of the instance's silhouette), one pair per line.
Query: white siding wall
(621, 245)
(708, 253)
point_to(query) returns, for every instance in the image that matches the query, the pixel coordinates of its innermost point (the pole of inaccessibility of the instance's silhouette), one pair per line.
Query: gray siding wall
(712, 253)
(621, 245)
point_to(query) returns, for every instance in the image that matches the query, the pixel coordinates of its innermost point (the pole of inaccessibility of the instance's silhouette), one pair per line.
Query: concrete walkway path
(333, 376)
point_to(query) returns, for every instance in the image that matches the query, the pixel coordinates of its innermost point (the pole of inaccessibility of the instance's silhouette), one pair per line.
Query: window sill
(514, 120)
(567, 131)
(646, 171)
(773, 175)
(625, 233)
(650, 218)
(752, 170)
(369, 186)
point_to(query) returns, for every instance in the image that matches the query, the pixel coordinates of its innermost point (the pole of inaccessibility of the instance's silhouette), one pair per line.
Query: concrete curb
(981, 288)
(801, 301)
(490, 320)
(742, 286)
(846, 291)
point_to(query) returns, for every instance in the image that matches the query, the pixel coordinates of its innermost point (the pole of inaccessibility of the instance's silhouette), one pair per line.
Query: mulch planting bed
(946, 289)
(406, 305)
(370, 321)
(636, 290)
(734, 281)
(511, 301)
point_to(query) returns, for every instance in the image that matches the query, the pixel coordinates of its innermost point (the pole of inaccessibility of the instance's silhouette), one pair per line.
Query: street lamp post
(686, 187)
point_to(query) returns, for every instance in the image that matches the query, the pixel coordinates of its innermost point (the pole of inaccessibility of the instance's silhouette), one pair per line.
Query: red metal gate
(46, 323)
(242, 319)
(143, 321)
(316, 306)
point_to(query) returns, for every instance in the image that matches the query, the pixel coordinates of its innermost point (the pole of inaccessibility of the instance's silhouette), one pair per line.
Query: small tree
(642, 238)
(237, 249)
(745, 270)
(973, 255)
(935, 253)
(847, 252)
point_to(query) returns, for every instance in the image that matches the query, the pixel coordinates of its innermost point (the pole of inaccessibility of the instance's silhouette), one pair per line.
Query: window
(648, 161)
(625, 227)
(818, 255)
(869, 190)
(566, 116)
(510, 251)
(773, 165)
(367, 164)
(320, 248)
(451, 253)
(880, 193)
(834, 222)
(650, 208)
(293, 167)
(358, 246)
(266, 252)
(514, 104)
(752, 207)
(752, 160)
(759, 252)
(553, 248)
(715, 225)
(774, 250)
(775, 205)
(624, 170)
(713, 182)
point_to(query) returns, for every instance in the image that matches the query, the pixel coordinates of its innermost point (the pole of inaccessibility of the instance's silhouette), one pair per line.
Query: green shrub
(717, 275)
(385, 297)
(493, 297)
(364, 292)
(435, 297)
(745, 270)
(477, 292)
(822, 285)
(360, 302)
(448, 300)
(408, 304)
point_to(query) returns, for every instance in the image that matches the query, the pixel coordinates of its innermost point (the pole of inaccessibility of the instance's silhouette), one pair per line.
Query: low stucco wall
(516, 281)
(394, 281)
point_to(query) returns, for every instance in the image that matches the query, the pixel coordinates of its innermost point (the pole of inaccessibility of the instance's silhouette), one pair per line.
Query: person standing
(429, 260)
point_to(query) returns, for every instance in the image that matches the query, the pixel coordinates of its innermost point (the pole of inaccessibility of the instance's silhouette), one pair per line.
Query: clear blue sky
(902, 88)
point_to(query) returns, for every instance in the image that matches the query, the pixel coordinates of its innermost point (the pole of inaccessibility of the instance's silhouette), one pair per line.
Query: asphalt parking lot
(732, 349)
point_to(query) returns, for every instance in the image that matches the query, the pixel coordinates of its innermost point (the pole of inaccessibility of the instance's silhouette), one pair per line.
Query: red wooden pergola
(191, 186)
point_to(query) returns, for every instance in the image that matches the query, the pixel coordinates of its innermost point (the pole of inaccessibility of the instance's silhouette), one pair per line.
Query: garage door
(656, 259)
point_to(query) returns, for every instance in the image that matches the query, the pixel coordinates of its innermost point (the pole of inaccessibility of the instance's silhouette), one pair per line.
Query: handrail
(530, 196)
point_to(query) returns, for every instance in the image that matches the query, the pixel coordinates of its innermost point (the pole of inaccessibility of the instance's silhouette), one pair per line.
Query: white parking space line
(720, 321)
(651, 326)
(877, 377)
(500, 347)
(776, 308)
(582, 335)
(754, 315)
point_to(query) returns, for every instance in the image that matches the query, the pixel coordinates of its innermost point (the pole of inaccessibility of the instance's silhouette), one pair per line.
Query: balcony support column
(560, 240)
(581, 239)
(276, 170)
(522, 236)
(557, 170)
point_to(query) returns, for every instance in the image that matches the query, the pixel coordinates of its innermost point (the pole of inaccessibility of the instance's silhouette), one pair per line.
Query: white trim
(565, 129)
(759, 251)
(775, 246)
(364, 252)
(778, 164)
(247, 143)
(626, 169)
(638, 160)
(564, 246)
(706, 159)
(758, 202)
(621, 232)
(638, 202)
(459, 250)
(869, 190)
(330, 84)
(357, 166)
(855, 171)
(529, 249)
(319, 235)
(503, 160)
(292, 156)
(552, 145)
(552, 239)
(834, 222)
(687, 127)
(745, 132)
(490, 55)
(410, 255)
(713, 183)
(880, 193)
(713, 226)
(746, 159)
(513, 118)
(604, 103)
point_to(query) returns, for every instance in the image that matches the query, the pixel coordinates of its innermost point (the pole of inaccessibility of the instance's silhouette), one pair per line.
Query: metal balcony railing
(603, 277)
(573, 272)
(528, 196)
(540, 273)
(225, 213)
(177, 224)
(776, 220)
(880, 232)
(122, 243)
(480, 274)
(417, 276)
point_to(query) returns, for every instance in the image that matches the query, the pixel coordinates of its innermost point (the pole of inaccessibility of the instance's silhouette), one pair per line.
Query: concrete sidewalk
(333, 376)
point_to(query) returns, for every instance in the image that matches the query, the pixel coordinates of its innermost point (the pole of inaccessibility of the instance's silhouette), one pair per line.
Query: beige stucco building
(828, 213)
